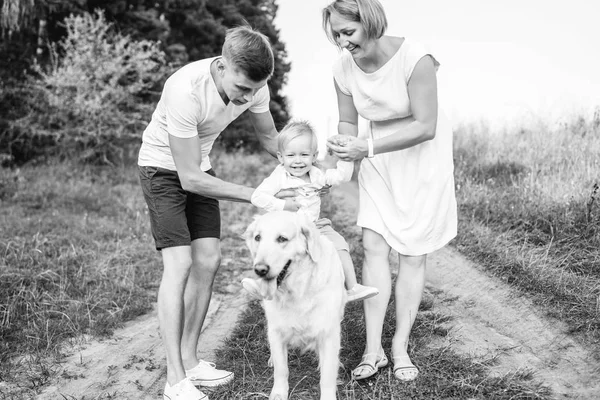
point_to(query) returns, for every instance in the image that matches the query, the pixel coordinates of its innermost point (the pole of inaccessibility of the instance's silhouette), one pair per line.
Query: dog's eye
(257, 238)
(281, 239)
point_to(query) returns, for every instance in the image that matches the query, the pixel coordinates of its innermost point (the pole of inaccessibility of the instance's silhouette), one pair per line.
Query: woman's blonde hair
(293, 130)
(369, 13)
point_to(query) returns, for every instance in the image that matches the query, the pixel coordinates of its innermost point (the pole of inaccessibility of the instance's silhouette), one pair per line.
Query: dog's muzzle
(262, 270)
(283, 273)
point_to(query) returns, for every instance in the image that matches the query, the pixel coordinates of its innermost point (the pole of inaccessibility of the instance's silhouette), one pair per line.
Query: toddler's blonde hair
(293, 130)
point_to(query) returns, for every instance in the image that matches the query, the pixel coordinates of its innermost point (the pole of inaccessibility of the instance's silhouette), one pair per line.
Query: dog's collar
(283, 273)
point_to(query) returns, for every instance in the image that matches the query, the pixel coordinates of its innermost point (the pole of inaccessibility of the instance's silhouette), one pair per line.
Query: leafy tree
(86, 103)
(186, 29)
(200, 26)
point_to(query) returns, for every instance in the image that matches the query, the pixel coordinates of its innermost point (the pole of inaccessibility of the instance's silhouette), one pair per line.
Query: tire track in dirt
(490, 319)
(131, 364)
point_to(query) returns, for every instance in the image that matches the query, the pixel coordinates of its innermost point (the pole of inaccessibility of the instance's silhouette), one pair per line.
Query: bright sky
(502, 62)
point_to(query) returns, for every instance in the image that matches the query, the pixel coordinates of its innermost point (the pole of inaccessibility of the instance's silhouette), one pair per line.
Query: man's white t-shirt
(190, 105)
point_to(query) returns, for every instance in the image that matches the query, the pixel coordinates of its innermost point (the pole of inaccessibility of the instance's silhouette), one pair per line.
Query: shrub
(93, 94)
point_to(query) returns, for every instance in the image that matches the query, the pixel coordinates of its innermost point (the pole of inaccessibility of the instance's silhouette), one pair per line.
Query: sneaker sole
(166, 397)
(212, 382)
(365, 297)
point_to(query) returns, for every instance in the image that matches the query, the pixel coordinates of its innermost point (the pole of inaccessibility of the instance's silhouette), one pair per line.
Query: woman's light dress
(407, 196)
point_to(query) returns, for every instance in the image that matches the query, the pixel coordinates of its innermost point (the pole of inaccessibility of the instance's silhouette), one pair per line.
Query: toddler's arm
(264, 195)
(335, 176)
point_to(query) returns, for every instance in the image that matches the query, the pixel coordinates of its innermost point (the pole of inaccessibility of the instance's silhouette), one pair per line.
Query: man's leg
(177, 262)
(206, 257)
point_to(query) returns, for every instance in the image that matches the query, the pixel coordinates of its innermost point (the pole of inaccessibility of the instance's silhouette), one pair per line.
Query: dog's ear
(311, 235)
(248, 234)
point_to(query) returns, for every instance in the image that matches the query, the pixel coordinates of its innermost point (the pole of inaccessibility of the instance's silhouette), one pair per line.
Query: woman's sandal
(371, 367)
(406, 371)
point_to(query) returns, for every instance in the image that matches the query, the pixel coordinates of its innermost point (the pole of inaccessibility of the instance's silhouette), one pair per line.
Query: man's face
(238, 88)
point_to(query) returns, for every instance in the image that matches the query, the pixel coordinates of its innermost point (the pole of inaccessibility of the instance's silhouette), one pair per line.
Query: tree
(186, 29)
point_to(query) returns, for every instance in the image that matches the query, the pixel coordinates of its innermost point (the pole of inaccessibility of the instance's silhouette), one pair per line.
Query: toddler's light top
(308, 198)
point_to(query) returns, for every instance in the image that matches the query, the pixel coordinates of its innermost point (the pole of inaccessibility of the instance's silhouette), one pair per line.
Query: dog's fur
(307, 306)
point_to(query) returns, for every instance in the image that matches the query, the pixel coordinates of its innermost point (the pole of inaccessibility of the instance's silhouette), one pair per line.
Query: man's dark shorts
(177, 217)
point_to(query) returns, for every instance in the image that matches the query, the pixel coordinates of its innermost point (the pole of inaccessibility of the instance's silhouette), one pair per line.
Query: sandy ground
(489, 319)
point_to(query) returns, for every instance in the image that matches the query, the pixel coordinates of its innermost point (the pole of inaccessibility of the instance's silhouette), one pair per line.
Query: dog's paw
(279, 391)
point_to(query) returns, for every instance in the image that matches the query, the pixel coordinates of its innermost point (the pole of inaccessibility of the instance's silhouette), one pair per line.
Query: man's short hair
(249, 51)
(294, 129)
(369, 13)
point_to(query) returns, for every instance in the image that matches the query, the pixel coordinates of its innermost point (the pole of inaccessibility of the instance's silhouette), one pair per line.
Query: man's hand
(285, 193)
(324, 191)
(322, 222)
(291, 204)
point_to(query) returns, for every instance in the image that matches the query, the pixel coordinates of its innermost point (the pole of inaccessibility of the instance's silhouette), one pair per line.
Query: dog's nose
(261, 269)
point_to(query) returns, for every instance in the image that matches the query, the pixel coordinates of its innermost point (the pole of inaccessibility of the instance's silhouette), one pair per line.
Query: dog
(302, 274)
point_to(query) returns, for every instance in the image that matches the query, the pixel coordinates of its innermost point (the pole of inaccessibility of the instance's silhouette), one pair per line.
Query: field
(76, 260)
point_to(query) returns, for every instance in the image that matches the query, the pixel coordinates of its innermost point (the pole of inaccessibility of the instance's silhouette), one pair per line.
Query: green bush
(92, 98)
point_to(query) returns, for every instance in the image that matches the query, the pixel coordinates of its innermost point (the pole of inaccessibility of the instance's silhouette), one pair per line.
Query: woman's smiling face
(350, 35)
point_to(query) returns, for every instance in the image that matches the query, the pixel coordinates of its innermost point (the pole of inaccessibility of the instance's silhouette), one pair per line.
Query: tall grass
(530, 212)
(74, 259)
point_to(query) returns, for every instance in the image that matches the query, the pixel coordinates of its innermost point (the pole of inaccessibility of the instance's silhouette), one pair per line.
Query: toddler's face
(298, 156)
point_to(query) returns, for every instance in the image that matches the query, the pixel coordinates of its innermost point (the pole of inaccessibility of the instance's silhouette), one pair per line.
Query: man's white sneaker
(184, 390)
(205, 374)
(360, 292)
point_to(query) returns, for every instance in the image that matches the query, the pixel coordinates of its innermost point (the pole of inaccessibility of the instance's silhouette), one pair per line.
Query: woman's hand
(347, 148)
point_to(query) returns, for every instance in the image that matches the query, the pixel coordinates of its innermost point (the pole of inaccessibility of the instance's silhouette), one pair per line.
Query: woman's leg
(376, 273)
(409, 290)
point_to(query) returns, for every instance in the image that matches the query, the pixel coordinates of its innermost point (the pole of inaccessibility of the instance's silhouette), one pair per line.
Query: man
(198, 101)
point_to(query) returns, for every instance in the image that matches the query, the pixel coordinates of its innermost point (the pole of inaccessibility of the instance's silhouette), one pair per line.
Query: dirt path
(489, 320)
(130, 365)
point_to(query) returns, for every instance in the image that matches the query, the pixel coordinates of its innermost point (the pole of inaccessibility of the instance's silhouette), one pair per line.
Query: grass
(76, 259)
(444, 373)
(529, 212)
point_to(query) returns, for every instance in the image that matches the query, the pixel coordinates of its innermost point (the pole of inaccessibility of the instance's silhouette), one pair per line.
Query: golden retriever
(302, 275)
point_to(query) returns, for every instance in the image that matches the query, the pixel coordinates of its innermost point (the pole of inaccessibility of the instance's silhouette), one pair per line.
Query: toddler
(297, 153)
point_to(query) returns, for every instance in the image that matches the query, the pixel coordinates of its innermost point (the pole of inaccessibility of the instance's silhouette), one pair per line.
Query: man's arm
(265, 131)
(187, 155)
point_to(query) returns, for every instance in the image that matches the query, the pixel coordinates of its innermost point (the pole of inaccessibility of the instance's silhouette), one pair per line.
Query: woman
(406, 183)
